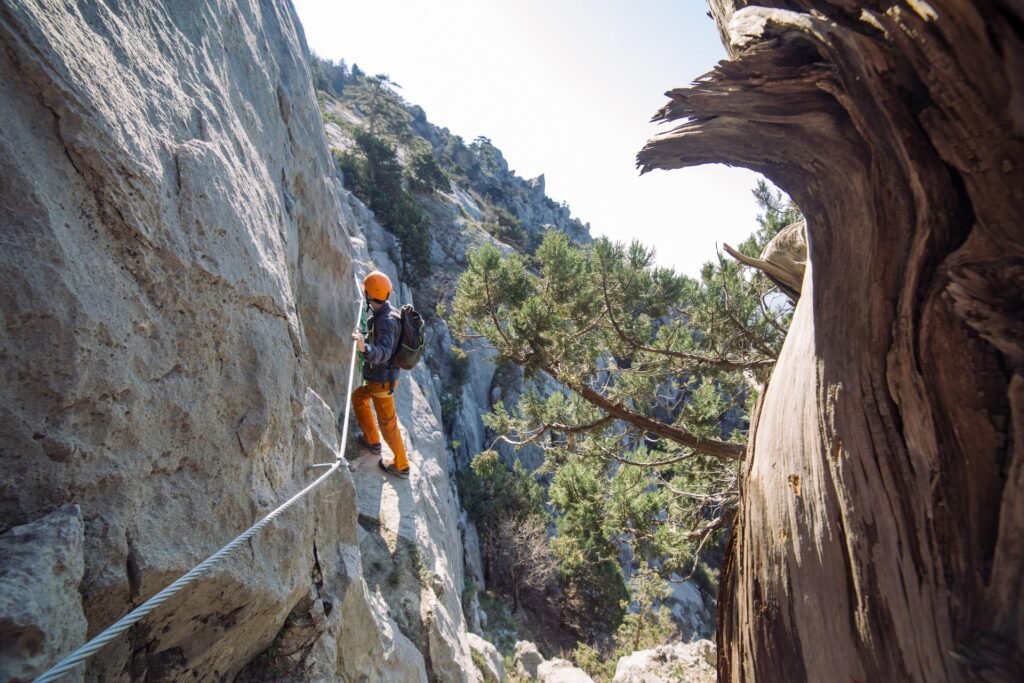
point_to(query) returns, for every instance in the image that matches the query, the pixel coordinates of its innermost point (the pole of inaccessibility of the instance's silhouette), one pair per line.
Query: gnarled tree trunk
(881, 532)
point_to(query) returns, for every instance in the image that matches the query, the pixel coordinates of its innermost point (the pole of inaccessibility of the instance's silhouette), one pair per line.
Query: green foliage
(490, 492)
(386, 113)
(469, 592)
(330, 116)
(375, 176)
(587, 554)
(644, 627)
(502, 630)
(648, 625)
(416, 563)
(478, 660)
(459, 370)
(660, 370)
(525, 317)
(507, 506)
(599, 665)
(488, 156)
(777, 212)
(329, 76)
(426, 174)
(451, 404)
(503, 225)
(373, 171)
(454, 380)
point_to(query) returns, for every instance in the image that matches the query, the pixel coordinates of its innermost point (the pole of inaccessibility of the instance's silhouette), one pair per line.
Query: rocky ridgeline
(488, 177)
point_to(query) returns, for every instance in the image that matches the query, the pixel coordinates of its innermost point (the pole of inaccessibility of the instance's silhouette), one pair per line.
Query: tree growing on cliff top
(328, 75)
(373, 173)
(385, 111)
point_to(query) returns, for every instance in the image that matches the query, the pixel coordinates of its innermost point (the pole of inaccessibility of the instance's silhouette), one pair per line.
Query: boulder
(527, 659)
(561, 671)
(41, 618)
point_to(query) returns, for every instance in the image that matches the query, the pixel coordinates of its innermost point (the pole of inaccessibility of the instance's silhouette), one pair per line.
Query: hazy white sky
(565, 88)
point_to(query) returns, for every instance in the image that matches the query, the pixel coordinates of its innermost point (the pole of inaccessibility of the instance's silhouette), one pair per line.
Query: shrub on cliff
(426, 175)
(647, 625)
(507, 505)
(328, 75)
(385, 111)
(375, 176)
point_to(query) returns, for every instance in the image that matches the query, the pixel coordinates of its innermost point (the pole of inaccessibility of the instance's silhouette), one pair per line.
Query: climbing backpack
(412, 338)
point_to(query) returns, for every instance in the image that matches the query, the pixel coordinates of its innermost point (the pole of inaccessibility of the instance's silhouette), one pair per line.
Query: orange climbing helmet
(377, 286)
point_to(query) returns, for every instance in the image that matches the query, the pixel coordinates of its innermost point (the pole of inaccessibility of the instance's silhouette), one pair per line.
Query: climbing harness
(67, 664)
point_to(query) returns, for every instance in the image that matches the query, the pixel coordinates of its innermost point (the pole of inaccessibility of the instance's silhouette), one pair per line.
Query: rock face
(885, 476)
(177, 300)
(487, 173)
(689, 611)
(40, 610)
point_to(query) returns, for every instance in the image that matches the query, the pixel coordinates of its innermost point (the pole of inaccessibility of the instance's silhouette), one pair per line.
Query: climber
(380, 376)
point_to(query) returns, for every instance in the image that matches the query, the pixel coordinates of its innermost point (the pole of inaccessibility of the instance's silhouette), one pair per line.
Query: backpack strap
(392, 370)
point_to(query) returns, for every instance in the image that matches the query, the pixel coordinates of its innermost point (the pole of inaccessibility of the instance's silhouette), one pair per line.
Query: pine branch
(556, 427)
(654, 463)
(491, 309)
(723, 363)
(712, 447)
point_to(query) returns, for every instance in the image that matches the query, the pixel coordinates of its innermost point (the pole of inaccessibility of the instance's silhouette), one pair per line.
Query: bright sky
(562, 87)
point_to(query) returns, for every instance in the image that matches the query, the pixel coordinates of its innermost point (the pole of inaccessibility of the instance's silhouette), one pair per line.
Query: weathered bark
(881, 530)
(783, 260)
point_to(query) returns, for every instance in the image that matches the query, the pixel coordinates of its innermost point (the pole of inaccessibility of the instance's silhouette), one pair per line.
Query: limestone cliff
(178, 291)
(880, 530)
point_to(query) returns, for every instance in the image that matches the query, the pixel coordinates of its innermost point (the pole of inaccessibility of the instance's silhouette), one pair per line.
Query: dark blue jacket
(382, 337)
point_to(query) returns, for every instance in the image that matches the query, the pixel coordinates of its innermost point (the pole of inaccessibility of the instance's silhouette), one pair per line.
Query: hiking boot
(372, 447)
(391, 469)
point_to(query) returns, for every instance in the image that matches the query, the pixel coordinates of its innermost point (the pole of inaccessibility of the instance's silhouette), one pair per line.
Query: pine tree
(659, 370)
(385, 111)
(375, 175)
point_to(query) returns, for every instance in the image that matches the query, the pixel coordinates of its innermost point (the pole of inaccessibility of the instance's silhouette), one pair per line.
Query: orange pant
(384, 406)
